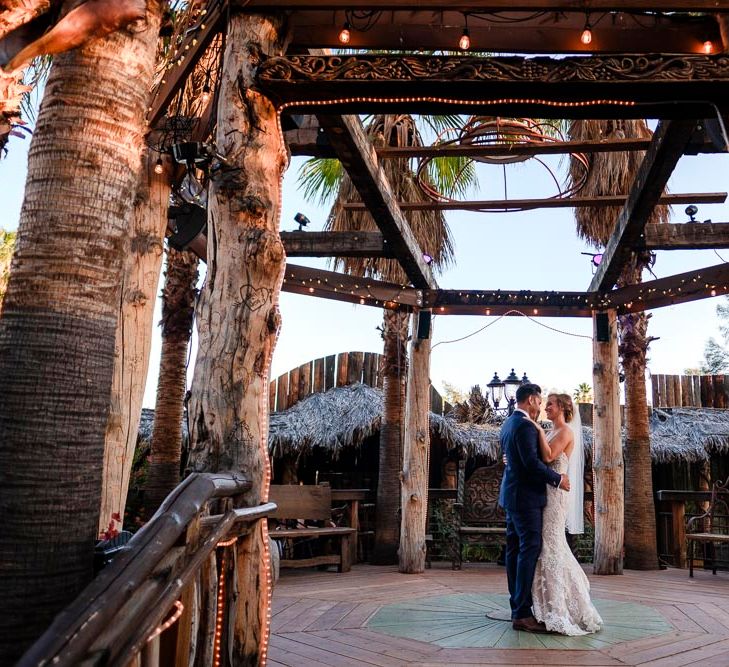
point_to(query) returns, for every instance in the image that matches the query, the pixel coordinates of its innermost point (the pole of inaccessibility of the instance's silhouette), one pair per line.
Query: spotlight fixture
(427, 258)
(465, 42)
(708, 46)
(158, 166)
(586, 36)
(302, 221)
(691, 211)
(344, 34)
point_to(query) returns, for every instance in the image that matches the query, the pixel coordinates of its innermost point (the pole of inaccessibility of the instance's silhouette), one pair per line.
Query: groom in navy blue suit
(523, 496)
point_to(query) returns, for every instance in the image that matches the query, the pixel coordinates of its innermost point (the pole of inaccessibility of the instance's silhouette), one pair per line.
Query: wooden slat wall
(696, 391)
(337, 370)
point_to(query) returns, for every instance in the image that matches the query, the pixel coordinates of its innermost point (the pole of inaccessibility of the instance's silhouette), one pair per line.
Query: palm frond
(453, 176)
(610, 173)
(320, 179)
(429, 227)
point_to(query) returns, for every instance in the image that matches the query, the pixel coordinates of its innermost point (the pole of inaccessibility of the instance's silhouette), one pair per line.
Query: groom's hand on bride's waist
(564, 483)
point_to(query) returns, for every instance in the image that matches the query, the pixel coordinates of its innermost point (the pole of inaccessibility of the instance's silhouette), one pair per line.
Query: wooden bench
(710, 528)
(479, 519)
(311, 503)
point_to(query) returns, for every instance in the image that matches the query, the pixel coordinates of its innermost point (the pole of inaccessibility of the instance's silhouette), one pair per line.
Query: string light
(158, 166)
(179, 608)
(205, 97)
(586, 36)
(708, 46)
(465, 42)
(344, 34)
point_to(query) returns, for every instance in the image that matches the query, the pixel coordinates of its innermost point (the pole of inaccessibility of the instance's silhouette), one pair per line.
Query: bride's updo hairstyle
(565, 404)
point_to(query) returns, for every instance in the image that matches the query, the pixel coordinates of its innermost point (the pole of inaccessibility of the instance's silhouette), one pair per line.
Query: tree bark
(415, 459)
(641, 546)
(178, 307)
(58, 325)
(238, 317)
(394, 372)
(641, 543)
(143, 263)
(607, 458)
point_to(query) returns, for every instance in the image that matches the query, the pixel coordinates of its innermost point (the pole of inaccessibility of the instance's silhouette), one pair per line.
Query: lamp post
(505, 389)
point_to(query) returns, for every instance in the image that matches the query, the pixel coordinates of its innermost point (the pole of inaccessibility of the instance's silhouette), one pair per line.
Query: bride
(561, 590)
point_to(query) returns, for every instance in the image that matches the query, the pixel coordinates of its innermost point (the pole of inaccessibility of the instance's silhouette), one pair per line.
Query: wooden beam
(681, 288)
(497, 5)
(568, 202)
(686, 236)
(360, 160)
(512, 302)
(667, 146)
(194, 45)
(510, 32)
(342, 287)
(335, 244)
(594, 86)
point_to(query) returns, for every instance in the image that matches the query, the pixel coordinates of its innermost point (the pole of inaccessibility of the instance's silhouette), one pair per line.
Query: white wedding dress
(561, 590)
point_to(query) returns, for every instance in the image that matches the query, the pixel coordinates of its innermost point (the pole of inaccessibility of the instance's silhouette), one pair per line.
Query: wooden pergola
(647, 58)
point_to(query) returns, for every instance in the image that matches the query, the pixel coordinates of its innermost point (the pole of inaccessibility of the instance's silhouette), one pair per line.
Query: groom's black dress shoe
(529, 624)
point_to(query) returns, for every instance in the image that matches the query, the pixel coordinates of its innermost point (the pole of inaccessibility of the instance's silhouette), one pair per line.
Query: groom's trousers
(523, 546)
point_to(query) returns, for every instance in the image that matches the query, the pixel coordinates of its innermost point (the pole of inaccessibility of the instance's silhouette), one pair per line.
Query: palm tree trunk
(178, 303)
(641, 546)
(133, 338)
(394, 372)
(58, 325)
(238, 317)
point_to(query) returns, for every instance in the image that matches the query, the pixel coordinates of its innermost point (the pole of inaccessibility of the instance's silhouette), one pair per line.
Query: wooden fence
(696, 391)
(335, 370)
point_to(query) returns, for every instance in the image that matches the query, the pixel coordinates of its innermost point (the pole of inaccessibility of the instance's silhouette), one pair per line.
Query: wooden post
(272, 396)
(354, 372)
(670, 392)
(678, 517)
(655, 395)
(608, 452)
(282, 392)
(342, 368)
(238, 316)
(414, 488)
(662, 391)
(318, 375)
(329, 368)
(304, 380)
(293, 386)
(719, 392)
(685, 390)
(133, 337)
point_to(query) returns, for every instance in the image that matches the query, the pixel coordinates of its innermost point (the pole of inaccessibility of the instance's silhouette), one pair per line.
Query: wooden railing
(120, 613)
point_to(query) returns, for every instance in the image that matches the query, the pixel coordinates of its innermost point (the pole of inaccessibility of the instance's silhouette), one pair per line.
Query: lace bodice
(561, 590)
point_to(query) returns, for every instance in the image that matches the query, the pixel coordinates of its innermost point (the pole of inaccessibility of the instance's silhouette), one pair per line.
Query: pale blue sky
(530, 250)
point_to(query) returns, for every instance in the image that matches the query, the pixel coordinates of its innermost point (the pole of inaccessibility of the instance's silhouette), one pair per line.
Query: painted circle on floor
(460, 621)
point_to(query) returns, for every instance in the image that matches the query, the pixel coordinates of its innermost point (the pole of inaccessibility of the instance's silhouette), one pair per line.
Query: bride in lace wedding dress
(561, 590)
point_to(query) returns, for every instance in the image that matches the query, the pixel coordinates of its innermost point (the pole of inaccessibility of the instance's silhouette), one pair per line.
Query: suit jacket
(523, 485)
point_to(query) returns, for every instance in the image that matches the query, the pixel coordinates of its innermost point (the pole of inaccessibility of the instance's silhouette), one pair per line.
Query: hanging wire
(511, 312)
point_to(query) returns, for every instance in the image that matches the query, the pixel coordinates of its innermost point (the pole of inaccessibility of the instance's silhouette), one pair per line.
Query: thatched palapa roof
(346, 416)
(688, 434)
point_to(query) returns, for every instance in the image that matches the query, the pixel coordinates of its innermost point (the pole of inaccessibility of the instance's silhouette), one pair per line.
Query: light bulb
(465, 42)
(344, 34)
(586, 36)
(708, 46)
(205, 94)
(158, 167)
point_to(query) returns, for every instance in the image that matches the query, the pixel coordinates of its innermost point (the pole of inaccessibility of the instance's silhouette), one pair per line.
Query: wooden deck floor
(326, 618)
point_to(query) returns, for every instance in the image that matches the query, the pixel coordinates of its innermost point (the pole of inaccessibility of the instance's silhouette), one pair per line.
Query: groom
(523, 495)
